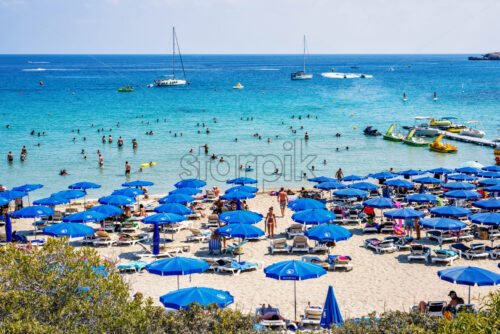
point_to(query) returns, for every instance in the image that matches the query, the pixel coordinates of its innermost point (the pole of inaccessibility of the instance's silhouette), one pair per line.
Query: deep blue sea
(79, 90)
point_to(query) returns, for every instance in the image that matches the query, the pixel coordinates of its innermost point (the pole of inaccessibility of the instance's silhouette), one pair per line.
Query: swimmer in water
(120, 142)
(324, 162)
(191, 151)
(110, 139)
(83, 151)
(206, 148)
(10, 157)
(104, 139)
(24, 150)
(306, 137)
(101, 161)
(127, 168)
(23, 157)
(214, 156)
(221, 159)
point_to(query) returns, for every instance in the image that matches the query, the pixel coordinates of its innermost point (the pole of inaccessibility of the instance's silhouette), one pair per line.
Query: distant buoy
(262, 92)
(354, 127)
(333, 101)
(41, 83)
(352, 114)
(20, 92)
(347, 99)
(340, 107)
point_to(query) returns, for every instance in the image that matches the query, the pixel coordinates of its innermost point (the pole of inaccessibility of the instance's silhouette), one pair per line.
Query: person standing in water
(339, 174)
(127, 168)
(101, 161)
(283, 201)
(10, 157)
(120, 142)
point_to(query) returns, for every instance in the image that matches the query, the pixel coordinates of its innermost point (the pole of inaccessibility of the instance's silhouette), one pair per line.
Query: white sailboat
(302, 75)
(173, 81)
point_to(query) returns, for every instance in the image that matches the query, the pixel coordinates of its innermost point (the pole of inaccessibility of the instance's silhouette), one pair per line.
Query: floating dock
(467, 139)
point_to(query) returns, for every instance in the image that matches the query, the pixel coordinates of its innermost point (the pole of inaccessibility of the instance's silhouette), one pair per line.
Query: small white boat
(238, 86)
(404, 96)
(423, 129)
(170, 82)
(173, 81)
(302, 75)
(472, 131)
(391, 69)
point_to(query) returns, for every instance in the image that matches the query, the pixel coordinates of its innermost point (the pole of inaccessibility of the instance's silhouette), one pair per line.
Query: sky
(249, 26)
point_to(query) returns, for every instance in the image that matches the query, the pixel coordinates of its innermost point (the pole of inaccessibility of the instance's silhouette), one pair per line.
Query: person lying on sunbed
(452, 305)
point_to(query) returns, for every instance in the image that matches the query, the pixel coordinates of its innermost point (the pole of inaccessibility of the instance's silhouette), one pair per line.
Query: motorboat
(437, 146)
(302, 75)
(445, 123)
(423, 129)
(389, 135)
(414, 141)
(238, 86)
(172, 80)
(370, 131)
(472, 131)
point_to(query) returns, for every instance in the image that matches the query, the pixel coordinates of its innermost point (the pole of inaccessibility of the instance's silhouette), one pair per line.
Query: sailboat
(173, 81)
(302, 75)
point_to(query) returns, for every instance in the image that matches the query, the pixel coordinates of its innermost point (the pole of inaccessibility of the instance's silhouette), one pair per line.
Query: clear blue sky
(250, 26)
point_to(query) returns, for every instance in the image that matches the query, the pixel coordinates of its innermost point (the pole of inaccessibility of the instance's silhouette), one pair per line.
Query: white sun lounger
(494, 252)
(197, 235)
(472, 252)
(419, 252)
(300, 244)
(235, 268)
(311, 316)
(295, 230)
(125, 239)
(165, 251)
(443, 257)
(279, 246)
(380, 246)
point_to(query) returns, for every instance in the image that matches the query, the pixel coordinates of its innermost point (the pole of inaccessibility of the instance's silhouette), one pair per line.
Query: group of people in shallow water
(24, 154)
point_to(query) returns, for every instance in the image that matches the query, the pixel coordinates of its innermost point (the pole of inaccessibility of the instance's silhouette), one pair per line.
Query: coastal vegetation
(61, 289)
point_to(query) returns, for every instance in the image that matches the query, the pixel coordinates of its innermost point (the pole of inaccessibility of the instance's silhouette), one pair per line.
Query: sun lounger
(419, 252)
(177, 227)
(401, 243)
(312, 316)
(436, 308)
(300, 244)
(135, 266)
(235, 267)
(386, 227)
(109, 226)
(197, 235)
(88, 240)
(106, 241)
(487, 232)
(444, 256)
(440, 236)
(270, 318)
(213, 221)
(319, 247)
(193, 216)
(494, 252)
(125, 239)
(235, 248)
(474, 251)
(316, 260)
(353, 217)
(370, 228)
(165, 251)
(295, 230)
(380, 246)
(465, 234)
(210, 196)
(129, 227)
(39, 226)
(340, 262)
(279, 246)
(214, 246)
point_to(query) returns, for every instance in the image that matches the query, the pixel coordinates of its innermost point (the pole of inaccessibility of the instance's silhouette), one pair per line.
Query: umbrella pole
(469, 296)
(295, 297)
(178, 286)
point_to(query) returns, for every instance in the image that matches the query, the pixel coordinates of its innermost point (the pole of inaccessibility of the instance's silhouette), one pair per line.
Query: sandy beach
(377, 282)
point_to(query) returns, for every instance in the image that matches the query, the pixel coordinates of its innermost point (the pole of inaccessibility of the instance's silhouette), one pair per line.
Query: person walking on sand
(283, 201)
(339, 174)
(270, 223)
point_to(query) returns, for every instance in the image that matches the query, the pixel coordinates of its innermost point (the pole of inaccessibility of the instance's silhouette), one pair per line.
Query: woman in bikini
(270, 223)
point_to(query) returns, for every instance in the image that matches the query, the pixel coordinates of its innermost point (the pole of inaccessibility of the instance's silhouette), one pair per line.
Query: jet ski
(370, 131)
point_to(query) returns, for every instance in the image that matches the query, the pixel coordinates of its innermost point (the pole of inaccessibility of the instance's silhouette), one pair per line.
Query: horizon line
(234, 54)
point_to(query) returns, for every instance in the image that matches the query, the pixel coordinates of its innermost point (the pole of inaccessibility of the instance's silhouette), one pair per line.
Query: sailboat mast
(304, 53)
(173, 52)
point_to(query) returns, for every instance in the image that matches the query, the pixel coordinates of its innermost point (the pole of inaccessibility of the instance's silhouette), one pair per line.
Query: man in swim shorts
(283, 200)
(127, 168)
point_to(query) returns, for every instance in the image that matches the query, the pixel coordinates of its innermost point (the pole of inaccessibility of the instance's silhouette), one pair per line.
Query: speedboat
(423, 129)
(446, 124)
(414, 141)
(238, 86)
(302, 75)
(370, 131)
(437, 146)
(472, 131)
(389, 135)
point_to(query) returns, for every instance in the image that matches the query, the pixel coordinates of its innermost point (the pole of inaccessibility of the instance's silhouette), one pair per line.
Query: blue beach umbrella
(116, 200)
(182, 298)
(330, 185)
(321, 179)
(445, 224)
(468, 170)
(247, 189)
(488, 204)
(237, 196)
(489, 175)
(85, 217)
(294, 270)
(351, 178)
(462, 177)
(51, 201)
(138, 183)
(458, 186)
(129, 192)
(462, 194)
(440, 170)
(469, 276)
(240, 217)
(405, 213)
(4, 201)
(190, 183)
(366, 186)
(242, 231)
(305, 203)
(176, 208)
(84, 186)
(449, 211)
(383, 175)
(8, 227)
(72, 230)
(28, 187)
(331, 313)
(492, 168)
(107, 210)
(177, 266)
(350, 192)
(428, 180)
(489, 182)
(328, 233)
(185, 191)
(35, 211)
(313, 216)
(399, 183)
(495, 188)
(176, 198)
(242, 181)
(412, 172)
(379, 203)
(486, 218)
(70, 194)
(12, 194)
(421, 198)
(161, 219)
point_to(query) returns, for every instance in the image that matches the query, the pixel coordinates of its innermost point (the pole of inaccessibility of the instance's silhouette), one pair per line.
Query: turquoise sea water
(468, 90)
